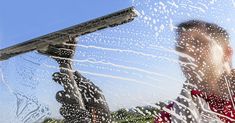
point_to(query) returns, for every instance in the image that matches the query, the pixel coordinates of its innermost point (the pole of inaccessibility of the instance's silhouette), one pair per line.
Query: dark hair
(213, 30)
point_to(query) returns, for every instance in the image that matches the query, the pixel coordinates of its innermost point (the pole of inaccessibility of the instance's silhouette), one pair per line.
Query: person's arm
(91, 105)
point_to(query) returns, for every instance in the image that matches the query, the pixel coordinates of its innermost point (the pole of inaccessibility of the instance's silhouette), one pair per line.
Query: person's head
(204, 48)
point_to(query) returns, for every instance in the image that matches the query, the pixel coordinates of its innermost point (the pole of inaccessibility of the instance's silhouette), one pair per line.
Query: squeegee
(42, 43)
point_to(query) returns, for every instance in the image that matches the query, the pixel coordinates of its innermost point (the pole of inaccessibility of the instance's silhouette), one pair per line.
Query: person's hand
(92, 96)
(71, 110)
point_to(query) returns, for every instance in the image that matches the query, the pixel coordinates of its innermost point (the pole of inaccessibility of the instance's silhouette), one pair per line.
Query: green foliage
(136, 115)
(50, 120)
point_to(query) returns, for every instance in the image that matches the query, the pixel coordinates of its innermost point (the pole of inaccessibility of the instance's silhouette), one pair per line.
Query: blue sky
(134, 64)
(22, 20)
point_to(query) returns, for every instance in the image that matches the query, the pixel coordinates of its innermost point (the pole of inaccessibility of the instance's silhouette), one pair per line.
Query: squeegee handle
(71, 88)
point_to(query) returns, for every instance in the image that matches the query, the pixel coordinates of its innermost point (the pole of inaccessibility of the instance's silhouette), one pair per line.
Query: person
(205, 58)
(96, 108)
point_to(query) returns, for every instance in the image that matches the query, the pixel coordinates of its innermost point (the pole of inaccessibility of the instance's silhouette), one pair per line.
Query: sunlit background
(134, 64)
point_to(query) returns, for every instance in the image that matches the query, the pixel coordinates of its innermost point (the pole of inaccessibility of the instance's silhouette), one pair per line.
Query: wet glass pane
(171, 63)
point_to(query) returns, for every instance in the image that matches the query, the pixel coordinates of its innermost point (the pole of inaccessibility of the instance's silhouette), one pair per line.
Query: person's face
(207, 56)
